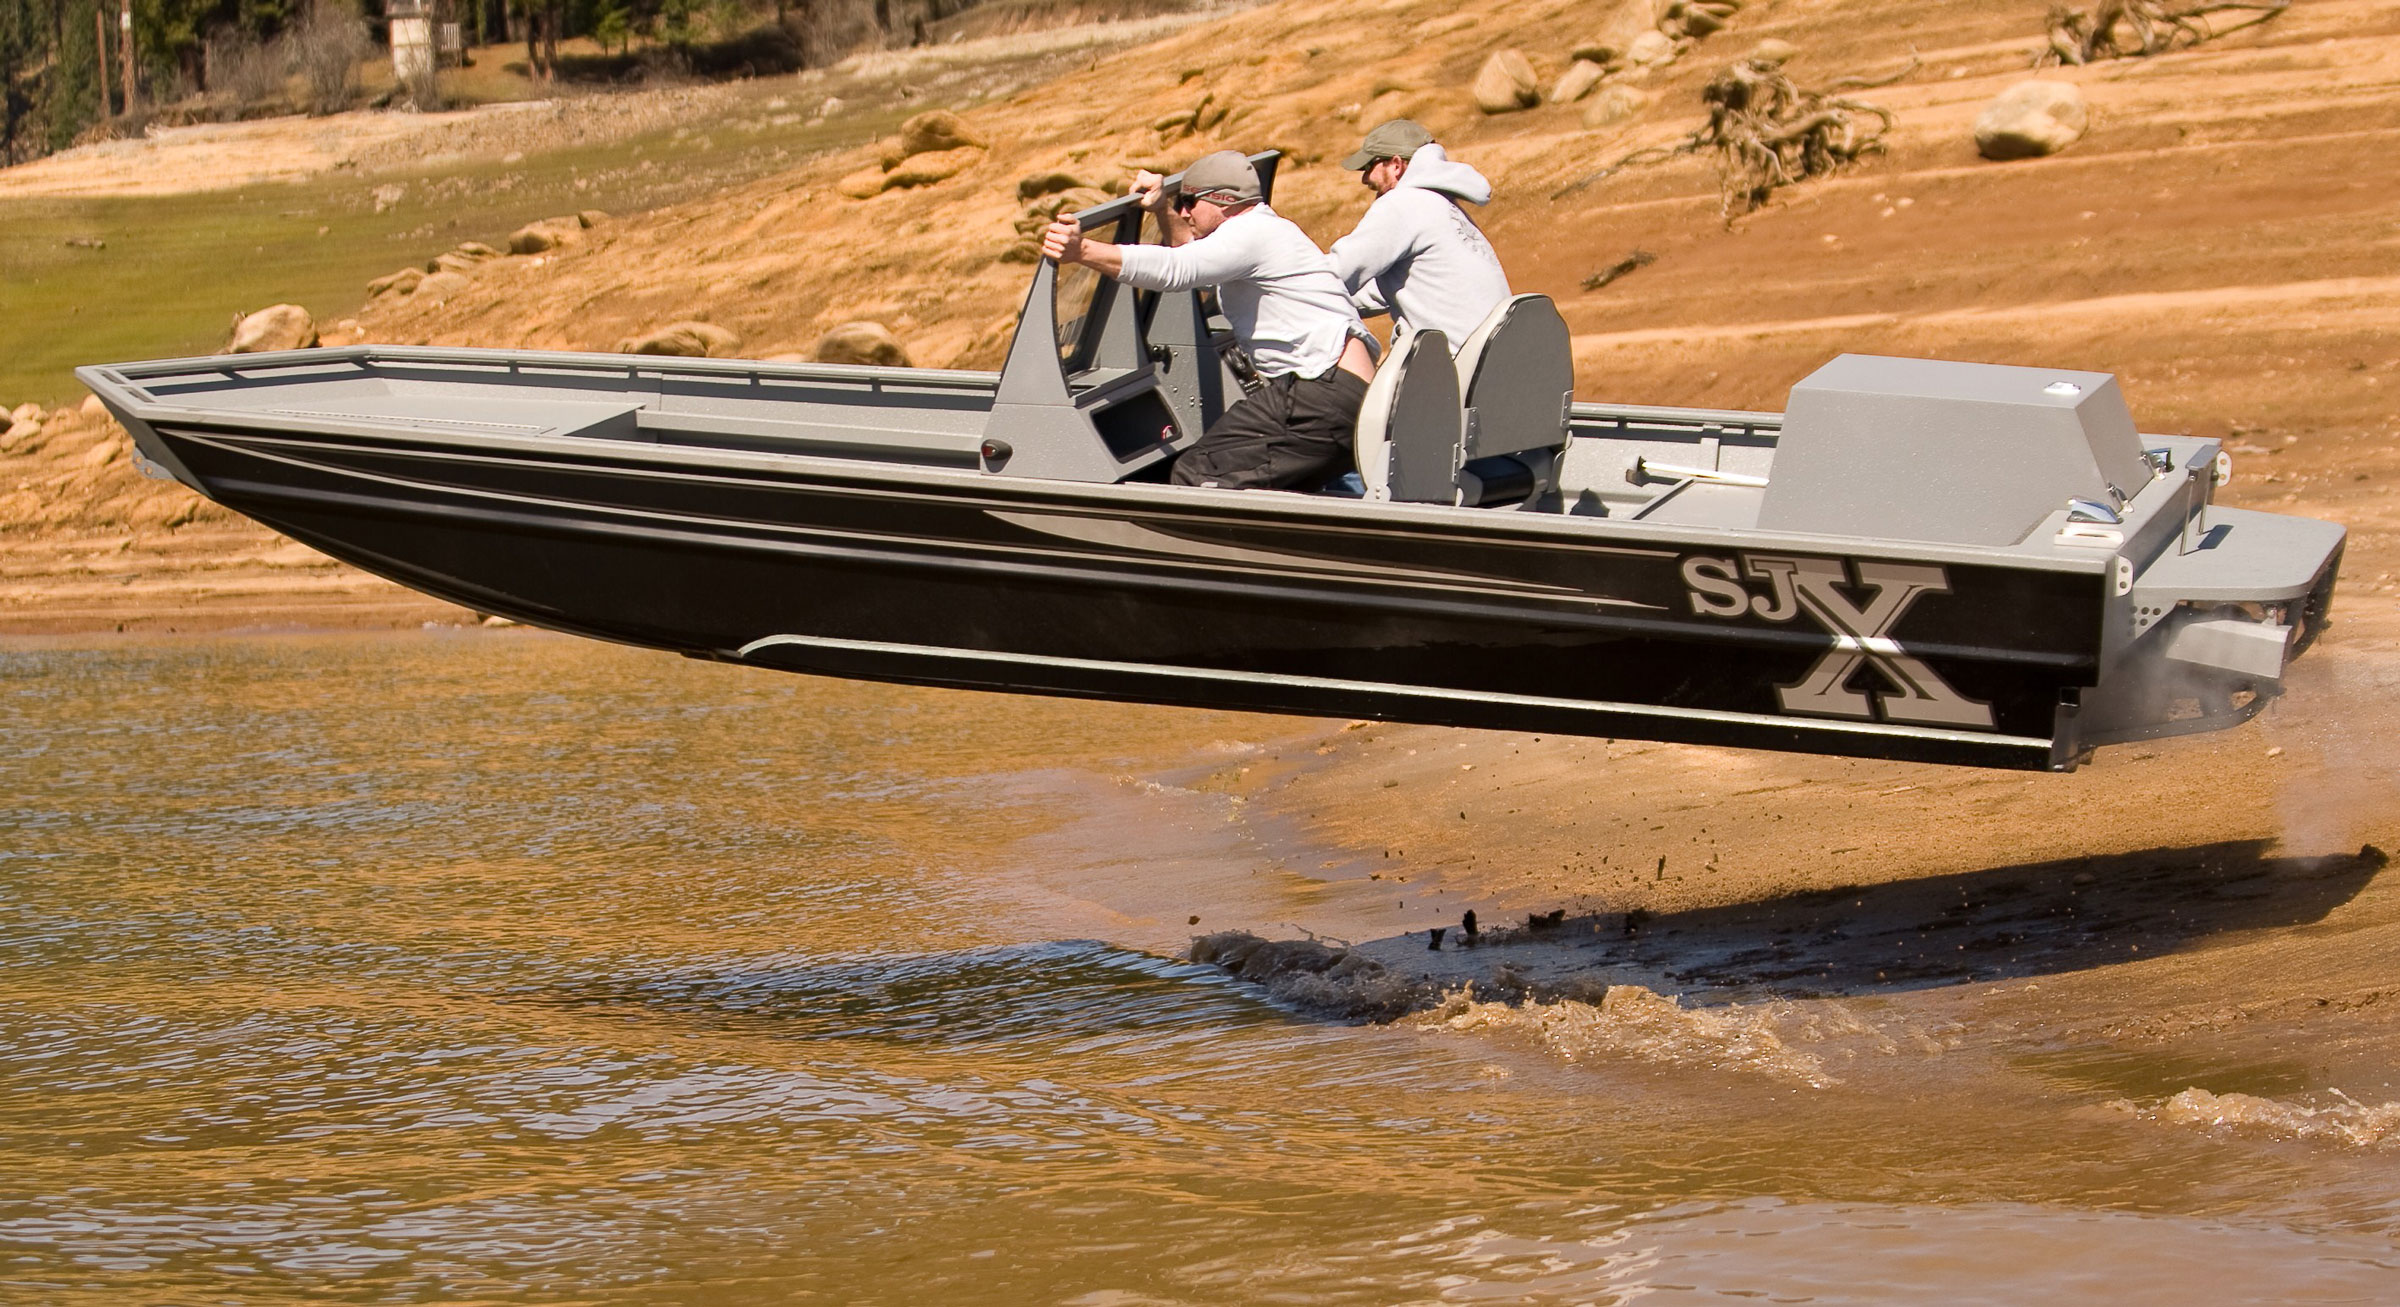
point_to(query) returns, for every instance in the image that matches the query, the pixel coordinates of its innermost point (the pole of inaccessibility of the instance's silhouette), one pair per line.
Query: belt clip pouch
(1244, 371)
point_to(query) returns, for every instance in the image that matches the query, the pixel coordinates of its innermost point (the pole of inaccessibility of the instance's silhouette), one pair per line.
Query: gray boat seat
(1516, 374)
(1408, 431)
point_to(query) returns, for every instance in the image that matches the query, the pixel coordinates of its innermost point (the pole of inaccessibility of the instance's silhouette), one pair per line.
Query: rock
(280, 326)
(1651, 50)
(865, 184)
(938, 166)
(18, 431)
(548, 234)
(693, 340)
(1039, 213)
(1595, 52)
(1048, 183)
(1251, 958)
(1773, 50)
(440, 287)
(1696, 18)
(867, 343)
(1613, 105)
(453, 261)
(28, 412)
(479, 251)
(2031, 119)
(1577, 82)
(398, 283)
(831, 106)
(937, 130)
(591, 218)
(93, 408)
(1506, 84)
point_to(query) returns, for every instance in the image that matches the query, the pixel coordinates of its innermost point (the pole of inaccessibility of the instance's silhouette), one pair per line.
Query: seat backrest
(1408, 429)
(1517, 376)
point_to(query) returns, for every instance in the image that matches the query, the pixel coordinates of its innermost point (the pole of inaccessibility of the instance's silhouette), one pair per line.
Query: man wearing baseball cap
(1288, 312)
(1416, 254)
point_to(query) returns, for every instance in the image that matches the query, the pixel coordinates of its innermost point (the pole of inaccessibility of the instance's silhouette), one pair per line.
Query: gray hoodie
(1419, 257)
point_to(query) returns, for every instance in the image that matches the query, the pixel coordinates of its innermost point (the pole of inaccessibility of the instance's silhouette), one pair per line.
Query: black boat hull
(1276, 603)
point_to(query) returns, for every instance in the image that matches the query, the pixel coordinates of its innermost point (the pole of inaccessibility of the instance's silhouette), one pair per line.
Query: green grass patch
(173, 270)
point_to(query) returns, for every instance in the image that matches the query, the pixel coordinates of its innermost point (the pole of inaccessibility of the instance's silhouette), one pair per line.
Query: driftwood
(1636, 259)
(2133, 29)
(1768, 132)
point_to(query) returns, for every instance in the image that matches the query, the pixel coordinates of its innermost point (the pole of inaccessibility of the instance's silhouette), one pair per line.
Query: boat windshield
(1077, 289)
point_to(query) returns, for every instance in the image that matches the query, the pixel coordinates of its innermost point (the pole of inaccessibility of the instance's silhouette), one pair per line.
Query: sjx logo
(1911, 692)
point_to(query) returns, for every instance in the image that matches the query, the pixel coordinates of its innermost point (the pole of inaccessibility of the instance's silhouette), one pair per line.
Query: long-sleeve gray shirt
(1287, 308)
(1417, 255)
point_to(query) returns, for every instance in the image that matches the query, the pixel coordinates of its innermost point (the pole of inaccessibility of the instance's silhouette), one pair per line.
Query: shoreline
(2150, 926)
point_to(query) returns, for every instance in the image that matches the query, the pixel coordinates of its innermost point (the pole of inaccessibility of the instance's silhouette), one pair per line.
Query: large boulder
(439, 287)
(398, 283)
(1040, 184)
(1696, 18)
(870, 344)
(280, 326)
(1506, 84)
(22, 423)
(937, 130)
(1577, 82)
(865, 184)
(548, 234)
(1651, 50)
(1773, 50)
(938, 166)
(1039, 213)
(2031, 119)
(694, 340)
(1613, 105)
(453, 261)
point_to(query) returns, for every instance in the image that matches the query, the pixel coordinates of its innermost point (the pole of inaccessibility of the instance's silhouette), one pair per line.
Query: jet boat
(1918, 559)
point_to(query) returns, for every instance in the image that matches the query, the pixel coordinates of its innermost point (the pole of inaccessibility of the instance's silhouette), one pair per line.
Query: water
(503, 967)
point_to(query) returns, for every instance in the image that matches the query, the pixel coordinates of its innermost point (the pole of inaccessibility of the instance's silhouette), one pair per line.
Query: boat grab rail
(1125, 206)
(154, 382)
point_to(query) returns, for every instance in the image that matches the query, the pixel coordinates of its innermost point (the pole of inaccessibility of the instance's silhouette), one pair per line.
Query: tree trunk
(100, 55)
(126, 85)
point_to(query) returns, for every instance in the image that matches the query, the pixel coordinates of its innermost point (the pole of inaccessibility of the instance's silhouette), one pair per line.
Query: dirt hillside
(2221, 238)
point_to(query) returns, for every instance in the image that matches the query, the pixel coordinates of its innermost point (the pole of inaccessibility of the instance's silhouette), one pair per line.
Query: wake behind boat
(1924, 560)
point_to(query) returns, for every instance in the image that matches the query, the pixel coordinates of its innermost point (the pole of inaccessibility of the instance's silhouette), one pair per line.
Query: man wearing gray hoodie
(1416, 254)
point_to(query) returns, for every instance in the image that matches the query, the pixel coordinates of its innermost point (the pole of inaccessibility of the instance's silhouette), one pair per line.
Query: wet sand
(2193, 932)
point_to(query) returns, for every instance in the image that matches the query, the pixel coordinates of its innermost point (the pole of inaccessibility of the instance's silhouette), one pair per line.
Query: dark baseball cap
(1397, 139)
(1226, 173)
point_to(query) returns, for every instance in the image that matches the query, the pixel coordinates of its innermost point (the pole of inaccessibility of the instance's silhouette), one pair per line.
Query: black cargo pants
(1292, 433)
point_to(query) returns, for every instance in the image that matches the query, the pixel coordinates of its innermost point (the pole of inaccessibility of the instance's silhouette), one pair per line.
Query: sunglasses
(1185, 203)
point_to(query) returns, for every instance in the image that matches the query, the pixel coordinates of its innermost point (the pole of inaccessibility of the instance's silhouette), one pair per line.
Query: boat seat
(1516, 374)
(1408, 431)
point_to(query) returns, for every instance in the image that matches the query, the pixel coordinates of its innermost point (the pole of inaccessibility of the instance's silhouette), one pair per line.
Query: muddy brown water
(491, 966)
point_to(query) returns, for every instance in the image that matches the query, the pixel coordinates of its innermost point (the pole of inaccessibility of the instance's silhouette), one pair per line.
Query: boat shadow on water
(2000, 923)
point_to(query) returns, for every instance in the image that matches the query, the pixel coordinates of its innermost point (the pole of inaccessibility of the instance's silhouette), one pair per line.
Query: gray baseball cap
(1226, 173)
(1397, 139)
